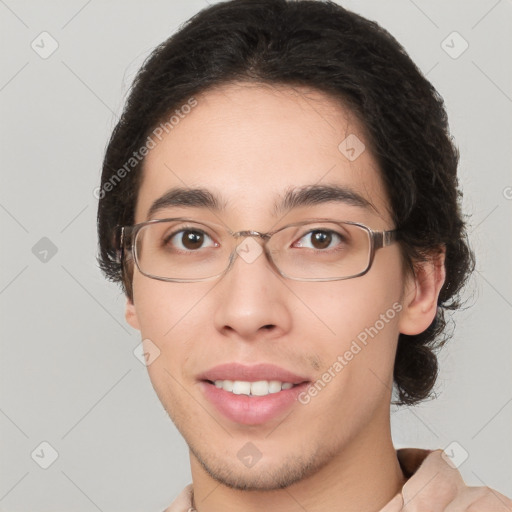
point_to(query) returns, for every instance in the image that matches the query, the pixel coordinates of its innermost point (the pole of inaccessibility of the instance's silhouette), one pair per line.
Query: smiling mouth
(256, 388)
(252, 395)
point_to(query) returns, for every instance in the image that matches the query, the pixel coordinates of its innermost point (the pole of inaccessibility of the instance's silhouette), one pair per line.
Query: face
(250, 145)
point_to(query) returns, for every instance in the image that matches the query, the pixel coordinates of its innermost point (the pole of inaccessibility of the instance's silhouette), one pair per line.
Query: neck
(362, 477)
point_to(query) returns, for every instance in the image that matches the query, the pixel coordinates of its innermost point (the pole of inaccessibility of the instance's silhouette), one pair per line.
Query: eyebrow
(297, 197)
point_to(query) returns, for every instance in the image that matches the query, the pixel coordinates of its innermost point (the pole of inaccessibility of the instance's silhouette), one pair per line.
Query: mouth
(251, 395)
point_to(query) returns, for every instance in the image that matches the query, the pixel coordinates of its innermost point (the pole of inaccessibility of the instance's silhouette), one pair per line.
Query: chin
(263, 475)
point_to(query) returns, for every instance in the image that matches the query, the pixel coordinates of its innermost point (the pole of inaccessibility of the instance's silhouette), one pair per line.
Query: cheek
(344, 309)
(162, 308)
(171, 317)
(357, 354)
(358, 320)
(168, 316)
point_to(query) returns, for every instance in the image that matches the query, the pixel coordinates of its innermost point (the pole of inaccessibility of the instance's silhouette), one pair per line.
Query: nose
(253, 301)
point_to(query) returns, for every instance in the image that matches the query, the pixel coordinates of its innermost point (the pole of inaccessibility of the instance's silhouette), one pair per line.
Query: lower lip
(251, 410)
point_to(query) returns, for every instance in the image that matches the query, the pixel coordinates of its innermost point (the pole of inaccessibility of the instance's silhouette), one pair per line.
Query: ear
(130, 314)
(421, 294)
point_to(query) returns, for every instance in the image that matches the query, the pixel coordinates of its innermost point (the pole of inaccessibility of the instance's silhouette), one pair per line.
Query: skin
(251, 143)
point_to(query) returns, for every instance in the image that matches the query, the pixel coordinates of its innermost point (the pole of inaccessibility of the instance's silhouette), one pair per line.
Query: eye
(319, 239)
(188, 240)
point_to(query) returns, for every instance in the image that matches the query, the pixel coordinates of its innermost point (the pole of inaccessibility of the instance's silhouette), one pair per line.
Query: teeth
(258, 388)
(241, 387)
(227, 385)
(261, 388)
(274, 386)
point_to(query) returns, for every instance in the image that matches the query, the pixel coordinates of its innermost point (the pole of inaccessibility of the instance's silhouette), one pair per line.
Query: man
(279, 202)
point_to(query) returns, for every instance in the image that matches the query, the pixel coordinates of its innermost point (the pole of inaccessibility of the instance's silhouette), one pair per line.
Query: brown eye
(188, 240)
(319, 239)
(192, 239)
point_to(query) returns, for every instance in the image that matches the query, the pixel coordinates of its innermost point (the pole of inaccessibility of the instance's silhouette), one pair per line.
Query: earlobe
(421, 294)
(131, 314)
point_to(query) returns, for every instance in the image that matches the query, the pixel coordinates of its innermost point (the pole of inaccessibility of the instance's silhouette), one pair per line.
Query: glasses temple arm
(384, 238)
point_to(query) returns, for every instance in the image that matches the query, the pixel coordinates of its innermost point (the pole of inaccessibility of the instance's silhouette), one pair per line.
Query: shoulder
(183, 502)
(434, 482)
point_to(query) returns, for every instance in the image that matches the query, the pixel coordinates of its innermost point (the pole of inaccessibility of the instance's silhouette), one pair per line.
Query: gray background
(68, 373)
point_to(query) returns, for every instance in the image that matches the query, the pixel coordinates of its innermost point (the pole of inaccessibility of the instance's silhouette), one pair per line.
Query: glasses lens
(181, 250)
(322, 250)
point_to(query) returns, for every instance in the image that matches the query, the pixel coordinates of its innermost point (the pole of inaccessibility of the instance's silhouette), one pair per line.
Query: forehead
(250, 144)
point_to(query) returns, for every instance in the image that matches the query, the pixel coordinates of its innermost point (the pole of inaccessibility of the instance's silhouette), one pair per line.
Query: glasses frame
(127, 235)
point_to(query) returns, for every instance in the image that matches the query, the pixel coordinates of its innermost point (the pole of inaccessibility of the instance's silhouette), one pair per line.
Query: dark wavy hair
(319, 45)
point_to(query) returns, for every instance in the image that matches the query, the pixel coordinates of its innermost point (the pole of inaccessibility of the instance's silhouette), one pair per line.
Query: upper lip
(251, 373)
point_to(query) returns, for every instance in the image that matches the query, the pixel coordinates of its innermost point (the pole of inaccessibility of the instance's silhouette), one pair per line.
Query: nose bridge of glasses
(247, 248)
(242, 235)
(246, 233)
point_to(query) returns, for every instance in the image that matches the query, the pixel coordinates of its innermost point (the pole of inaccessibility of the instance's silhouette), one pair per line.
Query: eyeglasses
(187, 250)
